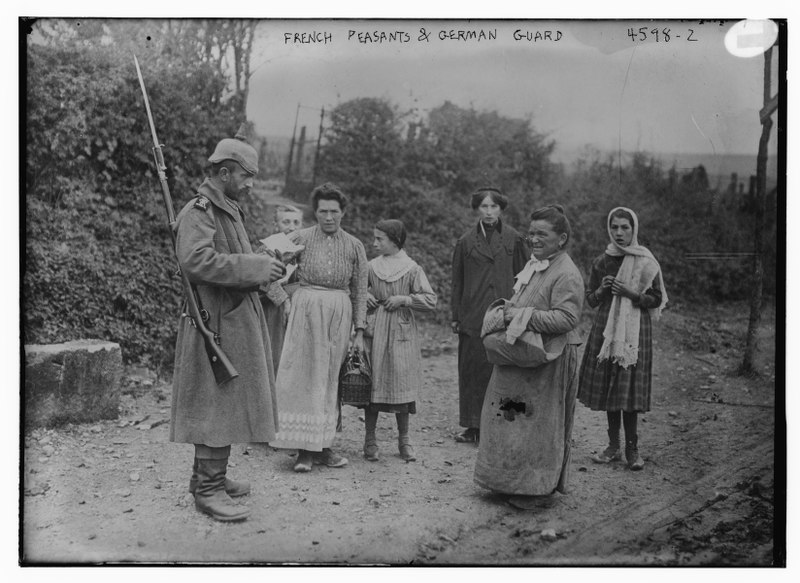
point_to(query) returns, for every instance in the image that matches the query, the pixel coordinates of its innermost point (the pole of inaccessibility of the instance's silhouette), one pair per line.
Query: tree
(223, 45)
(473, 148)
(362, 140)
(363, 153)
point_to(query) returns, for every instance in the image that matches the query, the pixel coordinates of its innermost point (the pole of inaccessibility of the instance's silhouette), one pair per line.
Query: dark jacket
(484, 271)
(214, 252)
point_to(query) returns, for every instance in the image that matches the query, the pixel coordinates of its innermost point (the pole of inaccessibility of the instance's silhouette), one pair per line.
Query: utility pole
(300, 147)
(291, 149)
(316, 153)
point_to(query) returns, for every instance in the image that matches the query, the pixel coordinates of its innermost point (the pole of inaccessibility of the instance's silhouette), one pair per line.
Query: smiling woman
(544, 239)
(527, 414)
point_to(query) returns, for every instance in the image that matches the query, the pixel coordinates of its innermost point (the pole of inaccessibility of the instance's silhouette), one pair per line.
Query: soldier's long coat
(214, 252)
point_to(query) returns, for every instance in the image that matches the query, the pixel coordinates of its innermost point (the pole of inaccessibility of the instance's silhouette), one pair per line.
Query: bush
(683, 222)
(99, 261)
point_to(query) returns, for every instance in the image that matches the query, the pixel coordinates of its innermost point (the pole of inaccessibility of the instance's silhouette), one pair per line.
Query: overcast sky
(595, 85)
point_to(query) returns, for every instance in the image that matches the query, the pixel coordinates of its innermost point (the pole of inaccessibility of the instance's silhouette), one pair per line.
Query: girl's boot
(630, 420)
(406, 451)
(635, 461)
(612, 452)
(370, 442)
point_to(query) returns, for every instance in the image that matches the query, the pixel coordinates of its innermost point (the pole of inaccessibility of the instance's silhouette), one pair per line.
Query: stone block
(73, 382)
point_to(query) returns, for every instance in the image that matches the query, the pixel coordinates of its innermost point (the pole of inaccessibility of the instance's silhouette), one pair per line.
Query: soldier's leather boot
(234, 488)
(210, 496)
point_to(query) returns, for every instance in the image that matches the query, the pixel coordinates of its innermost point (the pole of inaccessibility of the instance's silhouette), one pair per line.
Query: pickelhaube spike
(242, 133)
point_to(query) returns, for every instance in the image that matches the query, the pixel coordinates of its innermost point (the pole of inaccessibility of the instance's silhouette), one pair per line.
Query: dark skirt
(474, 372)
(392, 408)
(606, 386)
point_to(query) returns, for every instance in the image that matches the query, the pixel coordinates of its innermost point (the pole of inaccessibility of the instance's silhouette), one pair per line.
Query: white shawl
(638, 271)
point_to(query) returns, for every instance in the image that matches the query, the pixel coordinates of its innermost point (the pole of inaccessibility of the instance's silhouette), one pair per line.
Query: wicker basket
(355, 380)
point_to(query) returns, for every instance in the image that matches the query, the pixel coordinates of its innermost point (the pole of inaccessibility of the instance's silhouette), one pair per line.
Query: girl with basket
(616, 374)
(398, 288)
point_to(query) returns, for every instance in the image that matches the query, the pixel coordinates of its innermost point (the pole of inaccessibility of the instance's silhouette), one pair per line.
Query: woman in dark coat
(485, 260)
(616, 373)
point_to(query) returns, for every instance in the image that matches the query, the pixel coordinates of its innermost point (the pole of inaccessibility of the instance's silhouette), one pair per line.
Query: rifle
(221, 366)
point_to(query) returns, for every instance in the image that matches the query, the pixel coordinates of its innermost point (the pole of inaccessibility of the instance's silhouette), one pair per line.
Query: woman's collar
(392, 267)
(498, 226)
(552, 257)
(334, 235)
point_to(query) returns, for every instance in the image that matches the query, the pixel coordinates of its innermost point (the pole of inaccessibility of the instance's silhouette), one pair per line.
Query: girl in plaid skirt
(627, 287)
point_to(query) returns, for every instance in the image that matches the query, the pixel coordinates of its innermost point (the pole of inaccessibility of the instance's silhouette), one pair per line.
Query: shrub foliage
(98, 256)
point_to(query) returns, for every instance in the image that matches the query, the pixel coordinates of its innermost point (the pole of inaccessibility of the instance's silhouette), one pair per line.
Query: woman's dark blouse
(609, 265)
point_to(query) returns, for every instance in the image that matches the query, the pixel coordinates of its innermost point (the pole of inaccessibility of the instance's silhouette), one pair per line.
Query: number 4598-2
(643, 31)
(664, 34)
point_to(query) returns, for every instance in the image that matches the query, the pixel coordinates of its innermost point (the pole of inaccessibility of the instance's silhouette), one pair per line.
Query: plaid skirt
(606, 386)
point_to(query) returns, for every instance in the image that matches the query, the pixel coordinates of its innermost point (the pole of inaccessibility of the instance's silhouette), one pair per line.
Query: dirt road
(117, 491)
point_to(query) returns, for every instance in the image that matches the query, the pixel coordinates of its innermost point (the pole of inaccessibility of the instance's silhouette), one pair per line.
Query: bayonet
(221, 366)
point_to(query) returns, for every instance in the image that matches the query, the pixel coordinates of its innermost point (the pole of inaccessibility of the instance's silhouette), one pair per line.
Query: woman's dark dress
(606, 386)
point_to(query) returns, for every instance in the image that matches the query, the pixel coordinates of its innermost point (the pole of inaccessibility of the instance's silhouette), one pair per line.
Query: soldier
(214, 252)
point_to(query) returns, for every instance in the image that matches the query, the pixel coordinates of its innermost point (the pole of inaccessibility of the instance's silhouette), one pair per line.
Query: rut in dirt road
(636, 520)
